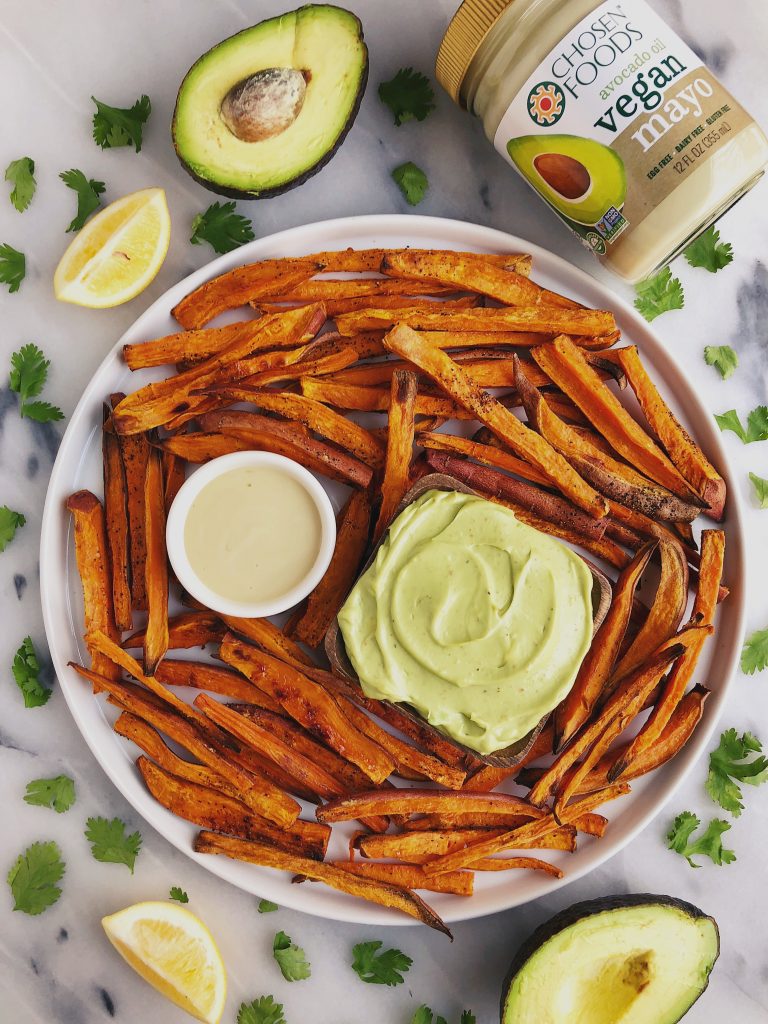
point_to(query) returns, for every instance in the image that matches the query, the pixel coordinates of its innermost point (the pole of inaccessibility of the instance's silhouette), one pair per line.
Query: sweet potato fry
(383, 893)
(185, 630)
(265, 434)
(445, 822)
(309, 705)
(400, 432)
(412, 876)
(174, 475)
(202, 447)
(513, 863)
(201, 675)
(134, 451)
(666, 611)
(686, 455)
(317, 417)
(116, 525)
(705, 604)
(257, 792)
(601, 657)
(240, 286)
(489, 777)
(377, 399)
(566, 365)
(340, 307)
(487, 454)
(156, 404)
(360, 260)
(92, 559)
(328, 596)
(269, 637)
(461, 339)
(423, 801)
(471, 273)
(545, 319)
(308, 365)
(322, 289)
(424, 847)
(213, 809)
(192, 346)
(542, 503)
(524, 442)
(602, 547)
(156, 566)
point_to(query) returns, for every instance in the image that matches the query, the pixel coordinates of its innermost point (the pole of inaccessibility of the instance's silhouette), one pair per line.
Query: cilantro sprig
(13, 267)
(729, 766)
(267, 907)
(120, 126)
(33, 878)
(424, 1015)
(178, 894)
(10, 522)
(411, 181)
(87, 190)
(409, 95)
(757, 424)
(57, 793)
(21, 173)
(263, 1010)
(110, 844)
(291, 959)
(709, 252)
(29, 372)
(754, 655)
(385, 968)
(760, 486)
(659, 294)
(709, 844)
(723, 358)
(222, 228)
(26, 672)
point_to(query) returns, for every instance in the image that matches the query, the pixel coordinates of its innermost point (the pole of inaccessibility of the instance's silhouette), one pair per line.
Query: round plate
(79, 465)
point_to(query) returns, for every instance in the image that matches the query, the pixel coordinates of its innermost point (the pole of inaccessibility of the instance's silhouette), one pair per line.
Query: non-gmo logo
(546, 103)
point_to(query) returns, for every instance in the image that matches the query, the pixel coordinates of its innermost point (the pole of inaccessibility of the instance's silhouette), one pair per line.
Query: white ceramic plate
(79, 465)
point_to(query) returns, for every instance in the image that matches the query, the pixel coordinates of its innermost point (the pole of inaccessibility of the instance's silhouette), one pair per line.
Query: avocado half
(639, 959)
(265, 109)
(581, 178)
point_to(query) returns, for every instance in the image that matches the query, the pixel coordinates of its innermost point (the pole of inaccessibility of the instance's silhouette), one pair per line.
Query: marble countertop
(58, 967)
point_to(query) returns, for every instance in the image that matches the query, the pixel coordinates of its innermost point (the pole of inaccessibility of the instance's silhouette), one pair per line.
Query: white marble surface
(53, 56)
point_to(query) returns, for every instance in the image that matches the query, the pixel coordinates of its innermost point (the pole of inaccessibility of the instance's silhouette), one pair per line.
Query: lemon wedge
(174, 951)
(118, 252)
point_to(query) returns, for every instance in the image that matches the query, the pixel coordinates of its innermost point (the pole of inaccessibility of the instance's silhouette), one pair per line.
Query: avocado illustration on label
(581, 178)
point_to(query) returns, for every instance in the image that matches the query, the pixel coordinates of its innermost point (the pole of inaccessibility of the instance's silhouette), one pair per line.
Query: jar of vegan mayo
(610, 116)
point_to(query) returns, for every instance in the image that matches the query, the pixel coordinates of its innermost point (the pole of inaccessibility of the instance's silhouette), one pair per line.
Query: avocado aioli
(477, 620)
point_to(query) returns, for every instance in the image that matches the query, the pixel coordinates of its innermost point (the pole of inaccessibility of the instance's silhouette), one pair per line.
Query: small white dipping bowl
(177, 518)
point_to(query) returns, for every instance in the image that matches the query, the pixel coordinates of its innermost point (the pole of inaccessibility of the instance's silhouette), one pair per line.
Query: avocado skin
(267, 193)
(579, 911)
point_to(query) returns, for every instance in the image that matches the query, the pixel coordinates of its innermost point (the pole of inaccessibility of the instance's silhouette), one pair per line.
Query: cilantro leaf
(120, 126)
(723, 358)
(728, 766)
(263, 1010)
(375, 968)
(757, 424)
(222, 228)
(26, 669)
(409, 95)
(58, 793)
(411, 181)
(33, 878)
(754, 656)
(110, 844)
(467, 1017)
(709, 844)
(29, 371)
(424, 1015)
(178, 894)
(22, 173)
(659, 294)
(267, 907)
(13, 267)
(10, 522)
(88, 191)
(709, 252)
(291, 959)
(760, 485)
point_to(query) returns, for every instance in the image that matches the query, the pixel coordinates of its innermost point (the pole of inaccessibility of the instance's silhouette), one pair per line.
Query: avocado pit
(566, 175)
(264, 104)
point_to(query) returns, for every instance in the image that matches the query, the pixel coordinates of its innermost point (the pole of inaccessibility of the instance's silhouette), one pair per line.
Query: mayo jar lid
(462, 39)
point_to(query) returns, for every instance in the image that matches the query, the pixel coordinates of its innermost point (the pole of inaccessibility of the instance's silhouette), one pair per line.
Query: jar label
(618, 115)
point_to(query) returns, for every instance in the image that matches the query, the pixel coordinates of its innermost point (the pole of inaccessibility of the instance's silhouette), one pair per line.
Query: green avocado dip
(473, 618)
